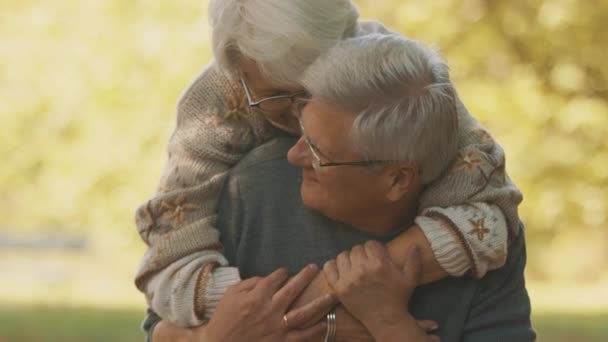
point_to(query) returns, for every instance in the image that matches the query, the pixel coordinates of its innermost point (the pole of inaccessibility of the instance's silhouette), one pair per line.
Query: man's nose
(298, 154)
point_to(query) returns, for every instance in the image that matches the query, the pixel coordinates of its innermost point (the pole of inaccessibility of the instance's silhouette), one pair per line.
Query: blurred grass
(77, 324)
(90, 296)
(571, 327)
(68, 324)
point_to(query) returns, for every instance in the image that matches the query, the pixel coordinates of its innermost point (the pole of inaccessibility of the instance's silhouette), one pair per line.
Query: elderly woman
(240, 101)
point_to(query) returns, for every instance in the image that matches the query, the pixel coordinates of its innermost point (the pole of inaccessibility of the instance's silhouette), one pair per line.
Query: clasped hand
(376, 291)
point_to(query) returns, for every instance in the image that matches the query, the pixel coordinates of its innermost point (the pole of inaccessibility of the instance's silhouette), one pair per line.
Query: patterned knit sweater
(468, 215)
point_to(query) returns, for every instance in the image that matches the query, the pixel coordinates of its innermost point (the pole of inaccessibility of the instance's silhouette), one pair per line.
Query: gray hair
(282, 36)
(402, 97)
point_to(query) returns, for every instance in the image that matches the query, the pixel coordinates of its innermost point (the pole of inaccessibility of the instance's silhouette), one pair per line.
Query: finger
(314, 333)
(375, 250)
(412, 267)
(245, 285)
(270, 284)
(358, 255)
(288, 293)
(311, 312)
(330, 271)
(427, 325)
(343, 261)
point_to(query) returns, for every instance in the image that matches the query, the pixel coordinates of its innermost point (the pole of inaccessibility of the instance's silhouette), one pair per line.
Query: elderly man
(374, 134)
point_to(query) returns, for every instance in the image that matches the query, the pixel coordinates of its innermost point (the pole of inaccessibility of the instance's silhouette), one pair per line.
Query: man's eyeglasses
(277, 103)
(316, 153)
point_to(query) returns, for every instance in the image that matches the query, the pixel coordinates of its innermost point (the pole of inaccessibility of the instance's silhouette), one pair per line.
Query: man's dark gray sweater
(264, 226)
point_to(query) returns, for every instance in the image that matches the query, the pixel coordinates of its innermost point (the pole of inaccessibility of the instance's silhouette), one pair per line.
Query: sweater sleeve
(470, 237)
(183, 272)
(469, 214)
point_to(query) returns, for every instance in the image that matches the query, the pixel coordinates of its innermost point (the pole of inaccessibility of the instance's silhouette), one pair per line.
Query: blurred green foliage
(88, 91)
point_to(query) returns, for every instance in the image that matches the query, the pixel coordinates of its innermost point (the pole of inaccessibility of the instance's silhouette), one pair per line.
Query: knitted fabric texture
(183, 273)
(215, 128)
(470, 213)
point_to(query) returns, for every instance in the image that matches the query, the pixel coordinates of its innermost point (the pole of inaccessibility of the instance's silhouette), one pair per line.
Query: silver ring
(330, 335)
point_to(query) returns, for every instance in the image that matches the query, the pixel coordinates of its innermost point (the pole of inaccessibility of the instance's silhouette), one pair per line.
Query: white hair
(401, 95)
(282, 36)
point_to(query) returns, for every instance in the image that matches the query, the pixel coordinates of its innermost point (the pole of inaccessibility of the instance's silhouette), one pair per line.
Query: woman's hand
(375, 291)
(254, 309)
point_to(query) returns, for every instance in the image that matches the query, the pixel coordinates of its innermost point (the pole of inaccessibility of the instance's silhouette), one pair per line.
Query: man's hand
(349, 328)
(369, 284)
(375, 291)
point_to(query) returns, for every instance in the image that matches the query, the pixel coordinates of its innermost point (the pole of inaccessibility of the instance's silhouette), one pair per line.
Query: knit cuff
(219, 281)
(450, 253)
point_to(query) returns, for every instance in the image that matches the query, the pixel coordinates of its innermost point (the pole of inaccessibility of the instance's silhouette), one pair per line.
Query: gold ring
(285, 321)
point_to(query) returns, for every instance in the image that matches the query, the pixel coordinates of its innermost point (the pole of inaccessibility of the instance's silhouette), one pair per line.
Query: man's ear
(403, 179)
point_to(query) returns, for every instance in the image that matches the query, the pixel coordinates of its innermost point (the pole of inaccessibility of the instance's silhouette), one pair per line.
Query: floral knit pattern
(474, 203)
(215, 129)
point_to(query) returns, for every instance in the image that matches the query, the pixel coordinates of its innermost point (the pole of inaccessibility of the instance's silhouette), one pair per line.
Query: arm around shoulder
(179, 270)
